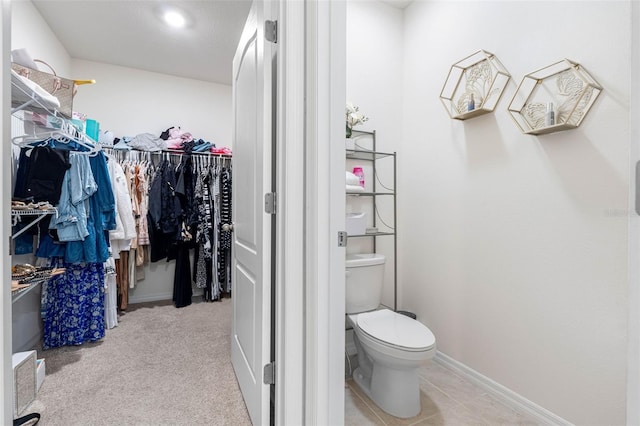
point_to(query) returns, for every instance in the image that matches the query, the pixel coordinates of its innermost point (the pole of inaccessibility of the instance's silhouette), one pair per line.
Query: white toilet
(390, 346)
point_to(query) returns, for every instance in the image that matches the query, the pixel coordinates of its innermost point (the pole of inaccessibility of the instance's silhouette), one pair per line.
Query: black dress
(185, 190)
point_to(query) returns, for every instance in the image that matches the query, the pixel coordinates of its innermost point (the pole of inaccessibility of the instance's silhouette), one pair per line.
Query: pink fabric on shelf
(221, 150)
(177, 137)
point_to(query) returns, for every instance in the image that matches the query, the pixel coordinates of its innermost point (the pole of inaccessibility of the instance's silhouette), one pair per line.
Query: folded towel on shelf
(352, 179)
(354, 188)
(24, 90)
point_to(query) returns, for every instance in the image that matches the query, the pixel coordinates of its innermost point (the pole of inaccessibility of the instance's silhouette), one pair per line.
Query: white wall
(128, 101)
(30, 31)
(513, 248)
(374, 65)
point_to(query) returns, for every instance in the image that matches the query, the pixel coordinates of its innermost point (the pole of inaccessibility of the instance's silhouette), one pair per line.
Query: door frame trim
(6, 372)
(325, 87)
(289, 291)
(633, 331)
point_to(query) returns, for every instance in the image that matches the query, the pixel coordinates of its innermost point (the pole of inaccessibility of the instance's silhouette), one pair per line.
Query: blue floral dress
(73, 306)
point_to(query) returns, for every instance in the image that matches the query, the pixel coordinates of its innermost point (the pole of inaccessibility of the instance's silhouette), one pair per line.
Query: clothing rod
(169, 151)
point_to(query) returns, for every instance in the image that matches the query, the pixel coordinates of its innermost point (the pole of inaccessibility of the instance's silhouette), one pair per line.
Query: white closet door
(252, 257)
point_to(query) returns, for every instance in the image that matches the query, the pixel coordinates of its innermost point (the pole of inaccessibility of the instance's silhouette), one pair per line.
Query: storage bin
(356, 223)
(24, 380)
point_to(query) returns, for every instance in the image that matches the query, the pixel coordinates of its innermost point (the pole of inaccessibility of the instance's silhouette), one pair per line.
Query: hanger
(56, 136)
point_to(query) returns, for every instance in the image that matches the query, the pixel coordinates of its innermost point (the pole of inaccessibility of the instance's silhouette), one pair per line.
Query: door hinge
(269, 377)
(271, 31)
(342, 238)
(270, 203)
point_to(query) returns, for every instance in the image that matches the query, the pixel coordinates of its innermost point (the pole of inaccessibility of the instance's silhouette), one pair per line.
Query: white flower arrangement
(354, 117)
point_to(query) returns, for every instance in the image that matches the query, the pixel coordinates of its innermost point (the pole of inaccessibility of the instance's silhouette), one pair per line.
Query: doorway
(83, 103)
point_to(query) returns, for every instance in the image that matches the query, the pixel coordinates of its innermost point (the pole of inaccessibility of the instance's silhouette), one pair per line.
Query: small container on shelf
(554, 98)
(356, 223)
(360, 173)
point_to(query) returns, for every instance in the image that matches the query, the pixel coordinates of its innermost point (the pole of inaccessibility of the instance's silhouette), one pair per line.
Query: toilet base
(396, 392)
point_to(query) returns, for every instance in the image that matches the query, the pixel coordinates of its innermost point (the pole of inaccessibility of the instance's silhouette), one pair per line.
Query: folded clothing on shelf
(352, 179)
(147, 142)
(353, 183)
(26, 90)
(353, 188)
(222, 150)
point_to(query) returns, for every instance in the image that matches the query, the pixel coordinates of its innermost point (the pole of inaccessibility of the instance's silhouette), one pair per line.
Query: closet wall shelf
(367, 155)
(21, 285)
(24, 97)
(554, 98)
(18, 294)
(368, 194)
(37, 215)
(167, 151)
(50, 122)
(474, 86)
(373, 234)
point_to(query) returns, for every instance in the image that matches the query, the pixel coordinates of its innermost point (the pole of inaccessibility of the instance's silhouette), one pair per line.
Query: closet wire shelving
(24, 101)
(373, 156)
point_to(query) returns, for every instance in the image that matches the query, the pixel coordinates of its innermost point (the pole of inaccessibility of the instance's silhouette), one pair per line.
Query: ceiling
(130, 34)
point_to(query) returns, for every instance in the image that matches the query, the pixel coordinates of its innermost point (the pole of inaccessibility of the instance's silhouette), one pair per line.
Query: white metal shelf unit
(26, 99)
(373, 156)
(35, 216)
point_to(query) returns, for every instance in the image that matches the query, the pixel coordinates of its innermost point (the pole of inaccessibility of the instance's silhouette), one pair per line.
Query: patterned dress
(73, 306)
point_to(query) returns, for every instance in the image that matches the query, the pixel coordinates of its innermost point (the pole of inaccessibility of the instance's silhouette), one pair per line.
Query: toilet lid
(396, 329)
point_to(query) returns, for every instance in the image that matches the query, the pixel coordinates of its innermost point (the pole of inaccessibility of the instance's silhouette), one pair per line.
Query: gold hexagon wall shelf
(474, 85)
(554, 98)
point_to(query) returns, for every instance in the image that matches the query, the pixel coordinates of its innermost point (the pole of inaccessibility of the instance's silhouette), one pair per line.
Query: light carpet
(160, 366)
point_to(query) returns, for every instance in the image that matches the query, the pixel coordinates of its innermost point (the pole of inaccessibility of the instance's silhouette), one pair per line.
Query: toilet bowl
(390, 346)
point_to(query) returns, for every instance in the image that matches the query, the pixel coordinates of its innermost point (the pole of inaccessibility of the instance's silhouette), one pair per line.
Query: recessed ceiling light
(174, 18)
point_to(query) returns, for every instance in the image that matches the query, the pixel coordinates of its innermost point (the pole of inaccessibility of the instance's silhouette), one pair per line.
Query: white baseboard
(159, 296)
(503, 394)
(150, 298)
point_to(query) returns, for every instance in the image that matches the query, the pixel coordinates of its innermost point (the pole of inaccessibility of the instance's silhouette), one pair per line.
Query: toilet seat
(396, 330)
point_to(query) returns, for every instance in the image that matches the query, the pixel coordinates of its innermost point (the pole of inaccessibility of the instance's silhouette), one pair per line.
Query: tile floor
(446, 399)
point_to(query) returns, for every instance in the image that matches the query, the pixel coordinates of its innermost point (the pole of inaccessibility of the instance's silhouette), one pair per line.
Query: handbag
(61, 88)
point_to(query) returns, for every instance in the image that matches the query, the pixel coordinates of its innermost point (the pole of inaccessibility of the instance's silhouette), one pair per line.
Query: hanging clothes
(184, 191)
(141, 196)
(122, 280)
(203, 258)
(175, 211)
(94, 248)
(43, 174)
(164, 211)
(224, 243)
(73, 306)
(125, 230)
(78, 185)
(111, 294)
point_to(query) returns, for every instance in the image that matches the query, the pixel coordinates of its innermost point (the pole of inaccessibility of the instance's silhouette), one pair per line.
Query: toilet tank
(363, 283)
